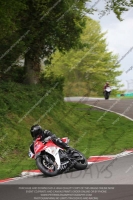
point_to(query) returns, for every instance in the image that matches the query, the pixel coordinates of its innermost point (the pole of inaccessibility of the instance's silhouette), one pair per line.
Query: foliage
(117, 6)
(8, 12)
(90, 66)
(43, 27)
(54, 82)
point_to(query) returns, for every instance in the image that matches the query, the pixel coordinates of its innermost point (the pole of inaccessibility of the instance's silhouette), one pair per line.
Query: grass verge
(77, 121)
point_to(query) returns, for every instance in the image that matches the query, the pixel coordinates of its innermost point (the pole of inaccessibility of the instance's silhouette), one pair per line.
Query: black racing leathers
(56, 140)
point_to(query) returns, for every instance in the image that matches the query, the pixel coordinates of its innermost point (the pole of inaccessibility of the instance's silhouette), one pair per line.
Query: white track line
(110, 111)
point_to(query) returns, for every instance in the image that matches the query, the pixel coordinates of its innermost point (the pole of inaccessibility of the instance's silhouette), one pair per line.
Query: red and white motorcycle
(52, 160)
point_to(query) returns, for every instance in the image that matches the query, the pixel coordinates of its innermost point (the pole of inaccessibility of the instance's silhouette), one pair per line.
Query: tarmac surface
(121, 106)
(117, 173)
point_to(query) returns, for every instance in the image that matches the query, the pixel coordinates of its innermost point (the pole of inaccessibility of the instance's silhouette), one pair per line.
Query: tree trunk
(32, 70)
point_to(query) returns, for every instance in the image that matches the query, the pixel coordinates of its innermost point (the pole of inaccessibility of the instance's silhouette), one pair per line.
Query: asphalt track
(99, 175)
(117, 171)
(114, 172)
(121, 106)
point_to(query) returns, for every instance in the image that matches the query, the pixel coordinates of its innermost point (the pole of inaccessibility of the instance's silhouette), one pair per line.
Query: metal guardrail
(125, 94)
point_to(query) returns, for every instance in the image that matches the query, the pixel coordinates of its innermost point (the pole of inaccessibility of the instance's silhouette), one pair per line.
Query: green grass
(77, 121)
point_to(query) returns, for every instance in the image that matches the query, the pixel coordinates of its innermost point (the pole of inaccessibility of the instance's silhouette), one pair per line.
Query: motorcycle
(52, 160)
(107, 92)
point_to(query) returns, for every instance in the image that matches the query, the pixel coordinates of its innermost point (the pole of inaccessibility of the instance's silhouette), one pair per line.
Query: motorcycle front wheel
(49, 169)
(107, 95)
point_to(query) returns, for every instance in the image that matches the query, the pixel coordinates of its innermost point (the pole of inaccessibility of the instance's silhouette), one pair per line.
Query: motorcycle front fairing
(50, 148)
(108, 89)
(31, 154)
(54, 151)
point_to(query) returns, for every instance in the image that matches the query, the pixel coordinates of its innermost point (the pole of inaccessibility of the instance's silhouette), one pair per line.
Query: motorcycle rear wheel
(46, 170)
(81, 163)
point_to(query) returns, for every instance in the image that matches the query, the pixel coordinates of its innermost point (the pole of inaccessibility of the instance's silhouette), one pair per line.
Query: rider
(105, 86)
(37, 131)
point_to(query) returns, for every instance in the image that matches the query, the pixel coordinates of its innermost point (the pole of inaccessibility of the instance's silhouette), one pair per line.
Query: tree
(42, 26)
(117, 6)
(10, 40)
(9, 11)
(93, 65)
(51, 26)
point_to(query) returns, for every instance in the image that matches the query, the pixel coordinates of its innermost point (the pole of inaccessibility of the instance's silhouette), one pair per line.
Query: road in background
(120, 106)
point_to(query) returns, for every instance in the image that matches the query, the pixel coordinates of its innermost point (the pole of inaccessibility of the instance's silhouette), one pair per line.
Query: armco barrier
(126, 95)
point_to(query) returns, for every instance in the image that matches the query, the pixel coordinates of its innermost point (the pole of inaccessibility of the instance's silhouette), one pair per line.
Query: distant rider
(105, 86)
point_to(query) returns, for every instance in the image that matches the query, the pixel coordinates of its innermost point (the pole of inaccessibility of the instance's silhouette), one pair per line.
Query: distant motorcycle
(107, 92)
(52, 160)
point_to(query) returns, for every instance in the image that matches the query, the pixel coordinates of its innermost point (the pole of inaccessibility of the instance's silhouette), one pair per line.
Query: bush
(52, 81)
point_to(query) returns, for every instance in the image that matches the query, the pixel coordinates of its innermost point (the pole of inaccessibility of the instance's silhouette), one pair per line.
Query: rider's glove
(47, 139)
(54, 138)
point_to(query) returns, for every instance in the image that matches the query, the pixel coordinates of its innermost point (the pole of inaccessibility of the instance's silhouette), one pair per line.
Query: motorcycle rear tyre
(81, 166)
